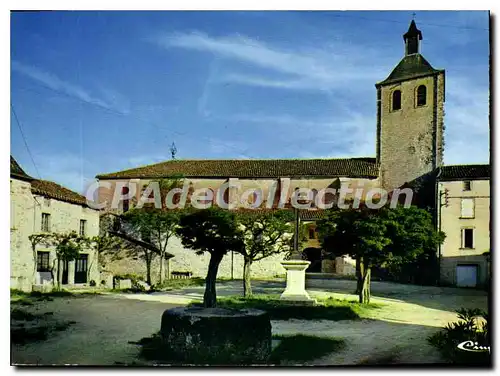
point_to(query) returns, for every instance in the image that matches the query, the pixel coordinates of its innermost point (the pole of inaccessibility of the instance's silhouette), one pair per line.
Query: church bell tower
(410, 116)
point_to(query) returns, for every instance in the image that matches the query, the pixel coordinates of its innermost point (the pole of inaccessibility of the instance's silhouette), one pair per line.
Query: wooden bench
(181, 275)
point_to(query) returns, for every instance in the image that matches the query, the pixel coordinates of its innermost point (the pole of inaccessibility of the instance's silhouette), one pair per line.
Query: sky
(98, 92)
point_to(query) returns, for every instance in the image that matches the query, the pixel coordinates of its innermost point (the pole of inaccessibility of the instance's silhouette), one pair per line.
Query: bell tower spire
(410, 117)
(412, 39)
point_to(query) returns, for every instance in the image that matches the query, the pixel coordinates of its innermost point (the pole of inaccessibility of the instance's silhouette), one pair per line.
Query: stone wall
(186, 260)
(22, 214)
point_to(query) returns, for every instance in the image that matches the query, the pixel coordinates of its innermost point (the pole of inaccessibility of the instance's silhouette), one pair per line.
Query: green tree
(214, 231)
(155, 226)
(264, 234)
(375, 237)
(68, 247)
(103, 245)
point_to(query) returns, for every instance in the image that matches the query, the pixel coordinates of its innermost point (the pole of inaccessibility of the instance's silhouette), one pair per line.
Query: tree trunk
(161, 268)
(359, 279)
(365, 272)
(247, 281)
(58, 274)
(210, 296)
(148, 267)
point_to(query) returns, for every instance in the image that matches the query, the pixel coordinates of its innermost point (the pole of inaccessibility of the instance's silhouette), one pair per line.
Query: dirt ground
(397, 331)
(104, 326)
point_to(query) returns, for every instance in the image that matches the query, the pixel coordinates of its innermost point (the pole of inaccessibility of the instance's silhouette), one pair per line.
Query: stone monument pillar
(295, 290)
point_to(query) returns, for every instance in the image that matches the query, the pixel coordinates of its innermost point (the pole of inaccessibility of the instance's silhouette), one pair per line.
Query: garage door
(466, 275)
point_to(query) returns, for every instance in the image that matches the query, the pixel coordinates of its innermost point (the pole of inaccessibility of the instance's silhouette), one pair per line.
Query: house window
(396, 100)
(126, 202)
(421, 95)
(45, 222)
(83, 227)
(468, 238)
(42, 261)
(467, 185)
(467, 208)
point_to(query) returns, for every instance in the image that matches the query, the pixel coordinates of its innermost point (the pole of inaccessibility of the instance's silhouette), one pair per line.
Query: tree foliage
(211, 230)
(67, 246)
(376, 237)
(263, 234)
(155, 226)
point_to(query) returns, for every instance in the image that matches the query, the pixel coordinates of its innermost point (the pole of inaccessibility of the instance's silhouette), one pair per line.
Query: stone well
(216, 335)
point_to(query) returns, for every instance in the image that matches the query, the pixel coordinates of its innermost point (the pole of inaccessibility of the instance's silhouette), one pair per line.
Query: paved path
(106, 323)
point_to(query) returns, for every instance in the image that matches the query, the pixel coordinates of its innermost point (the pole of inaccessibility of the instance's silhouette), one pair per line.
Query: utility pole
(442, 194)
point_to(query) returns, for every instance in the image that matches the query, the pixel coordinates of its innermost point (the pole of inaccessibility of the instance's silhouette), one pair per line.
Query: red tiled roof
(58, 192)
(46, 188)
(253, 168)
(16, 171)
(465, 172)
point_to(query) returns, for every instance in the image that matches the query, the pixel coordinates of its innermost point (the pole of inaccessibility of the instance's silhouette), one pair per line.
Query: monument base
(295, 291)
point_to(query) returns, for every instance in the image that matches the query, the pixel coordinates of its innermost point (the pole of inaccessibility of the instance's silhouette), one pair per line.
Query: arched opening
(314, 256)
(421, 95)
(396, 100)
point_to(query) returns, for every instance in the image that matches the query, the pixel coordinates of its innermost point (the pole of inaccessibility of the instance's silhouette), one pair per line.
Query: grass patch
(167, 285)
(26, 327)
(177, 284)
(303, 348)
(326, 309)
(21, 335)
(27, 298)
(22, 315)
(296, 348)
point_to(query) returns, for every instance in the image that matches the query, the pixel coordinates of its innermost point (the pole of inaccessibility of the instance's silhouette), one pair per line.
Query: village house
(465, 218)
(41, 206)
(409, 148)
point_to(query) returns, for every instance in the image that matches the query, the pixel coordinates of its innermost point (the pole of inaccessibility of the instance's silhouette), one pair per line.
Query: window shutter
(467, 209)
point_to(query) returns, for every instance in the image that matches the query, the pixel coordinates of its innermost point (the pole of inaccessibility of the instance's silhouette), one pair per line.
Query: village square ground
(105, 324)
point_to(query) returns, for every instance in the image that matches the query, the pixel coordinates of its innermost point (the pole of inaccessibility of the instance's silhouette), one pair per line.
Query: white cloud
(332, 66)
(350, 134)
(343, 72)
(55, 83)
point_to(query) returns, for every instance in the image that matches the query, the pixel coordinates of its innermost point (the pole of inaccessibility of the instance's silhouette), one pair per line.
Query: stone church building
(409, 153)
